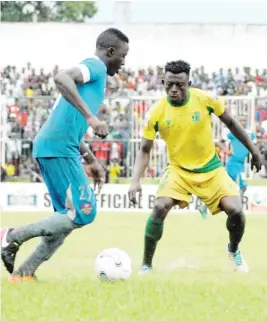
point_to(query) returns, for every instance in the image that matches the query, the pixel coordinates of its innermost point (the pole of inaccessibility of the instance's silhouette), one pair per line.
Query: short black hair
(178, 66)
(111, 37)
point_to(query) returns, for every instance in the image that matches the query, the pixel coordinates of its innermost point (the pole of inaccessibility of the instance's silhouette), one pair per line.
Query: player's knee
(52, 243)
(235, 210)
(232, 205)
(161, 208)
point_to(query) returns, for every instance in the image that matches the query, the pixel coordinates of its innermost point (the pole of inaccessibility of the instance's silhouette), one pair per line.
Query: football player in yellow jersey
(183, 119)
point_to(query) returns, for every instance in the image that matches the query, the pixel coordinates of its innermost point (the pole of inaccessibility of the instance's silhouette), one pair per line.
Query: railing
(125, 115)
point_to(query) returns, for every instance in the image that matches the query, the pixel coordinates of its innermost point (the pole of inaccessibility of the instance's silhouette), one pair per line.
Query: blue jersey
(240, 152)
(62, 133)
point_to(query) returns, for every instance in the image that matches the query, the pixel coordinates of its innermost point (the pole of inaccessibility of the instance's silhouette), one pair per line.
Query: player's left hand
(256, 161)
(98, 174)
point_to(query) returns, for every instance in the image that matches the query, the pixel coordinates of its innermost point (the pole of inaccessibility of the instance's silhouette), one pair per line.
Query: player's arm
(87, 154)
(66, 82)
(143, 155)
(142, 159)
(96, 170)
(240, 133)
(141, 163)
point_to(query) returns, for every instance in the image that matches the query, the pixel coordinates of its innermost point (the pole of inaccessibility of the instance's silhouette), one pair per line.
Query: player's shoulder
(206, 97)
(202, 94)
(94, 62)
(158, 107)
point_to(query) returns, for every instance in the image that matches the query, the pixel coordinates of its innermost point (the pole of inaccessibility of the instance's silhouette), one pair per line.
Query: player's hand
(100, 128)
(134, 188)
(98, 174)
(256, 161)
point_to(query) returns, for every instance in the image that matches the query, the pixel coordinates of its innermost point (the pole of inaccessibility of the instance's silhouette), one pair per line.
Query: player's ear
(189, 83)
(110, 52)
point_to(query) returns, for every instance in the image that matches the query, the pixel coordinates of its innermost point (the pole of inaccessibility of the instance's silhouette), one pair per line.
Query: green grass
(192, 279)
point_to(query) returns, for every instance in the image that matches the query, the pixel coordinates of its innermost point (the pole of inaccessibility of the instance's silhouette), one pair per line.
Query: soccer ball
(113, 265)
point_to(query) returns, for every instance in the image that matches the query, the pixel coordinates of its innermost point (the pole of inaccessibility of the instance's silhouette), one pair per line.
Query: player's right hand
(100, 128)
(98, 174)
(134, 188)
(256, 162)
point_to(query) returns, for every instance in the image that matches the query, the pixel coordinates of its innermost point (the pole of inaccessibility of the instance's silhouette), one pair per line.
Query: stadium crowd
(30, 95)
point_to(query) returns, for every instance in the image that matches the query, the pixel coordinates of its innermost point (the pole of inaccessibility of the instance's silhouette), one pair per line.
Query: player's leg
(56, 178)
(225, 197)
(154, 229)
(80, 209)
(171, 192)
(234, 170)
(236, 222)
(12, 238)
(242, 185)
(43, 252)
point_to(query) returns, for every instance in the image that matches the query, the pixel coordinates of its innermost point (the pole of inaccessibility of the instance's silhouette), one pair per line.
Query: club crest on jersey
(196, 116)
(86, 208)
(168, 123)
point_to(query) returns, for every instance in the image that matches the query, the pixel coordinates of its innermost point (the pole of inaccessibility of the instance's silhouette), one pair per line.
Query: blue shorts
(234, 170)
(69, 188)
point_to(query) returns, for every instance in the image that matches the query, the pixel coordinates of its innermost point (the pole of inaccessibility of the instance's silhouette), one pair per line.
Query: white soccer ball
(113, 265)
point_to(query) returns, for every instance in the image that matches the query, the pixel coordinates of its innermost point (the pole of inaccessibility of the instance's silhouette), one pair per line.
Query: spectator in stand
(26, 114)
(114, 170)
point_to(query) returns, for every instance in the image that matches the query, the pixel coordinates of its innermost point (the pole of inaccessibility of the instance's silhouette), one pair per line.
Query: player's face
(176, 86)
(116, 58)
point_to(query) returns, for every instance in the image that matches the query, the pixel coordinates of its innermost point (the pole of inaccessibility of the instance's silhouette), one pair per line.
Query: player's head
(176, 80)
(112, 47)
(243, 119)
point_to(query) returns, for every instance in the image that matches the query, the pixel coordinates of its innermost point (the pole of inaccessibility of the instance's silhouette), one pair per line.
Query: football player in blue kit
(58, 148)
(238, 155)
(236, 164)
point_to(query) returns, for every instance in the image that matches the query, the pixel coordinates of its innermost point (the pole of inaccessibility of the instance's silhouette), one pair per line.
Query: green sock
(153, 233)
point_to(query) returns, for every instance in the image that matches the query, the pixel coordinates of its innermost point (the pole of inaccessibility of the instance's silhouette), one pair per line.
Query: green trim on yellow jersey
(214, 163)
(156, 127)
(210, 109)
(176, 105)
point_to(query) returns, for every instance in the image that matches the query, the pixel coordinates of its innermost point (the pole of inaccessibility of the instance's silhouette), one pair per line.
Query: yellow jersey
(10, 169)
(187, 130)
(114, 171)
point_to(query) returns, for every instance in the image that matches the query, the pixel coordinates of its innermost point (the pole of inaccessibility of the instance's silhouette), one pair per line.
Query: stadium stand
(30, 94)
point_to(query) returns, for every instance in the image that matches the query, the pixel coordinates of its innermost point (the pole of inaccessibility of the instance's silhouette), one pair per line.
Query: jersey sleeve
(91, 69)
(218, 106)
(150, 127)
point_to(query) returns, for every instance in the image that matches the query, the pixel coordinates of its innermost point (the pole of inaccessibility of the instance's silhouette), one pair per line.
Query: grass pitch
(192, 277)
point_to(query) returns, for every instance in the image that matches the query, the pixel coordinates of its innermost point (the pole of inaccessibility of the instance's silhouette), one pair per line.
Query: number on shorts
(82, 196)
(82, 192)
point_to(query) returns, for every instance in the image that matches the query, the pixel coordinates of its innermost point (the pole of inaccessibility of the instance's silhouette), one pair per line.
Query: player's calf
(154, 228)
(235, 224)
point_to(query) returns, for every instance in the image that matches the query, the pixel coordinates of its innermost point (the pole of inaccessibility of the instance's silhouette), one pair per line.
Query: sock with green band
(153, 233)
